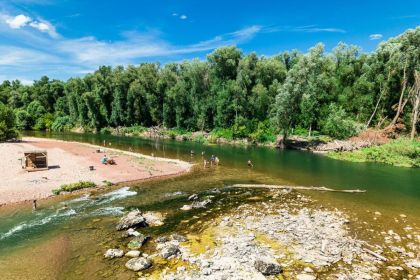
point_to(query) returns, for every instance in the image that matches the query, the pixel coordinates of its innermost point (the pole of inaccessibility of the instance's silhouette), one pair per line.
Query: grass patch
(73, 187)
(401, 152)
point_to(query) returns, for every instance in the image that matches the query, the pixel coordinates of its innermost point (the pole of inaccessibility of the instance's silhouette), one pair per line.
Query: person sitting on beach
(104, 159)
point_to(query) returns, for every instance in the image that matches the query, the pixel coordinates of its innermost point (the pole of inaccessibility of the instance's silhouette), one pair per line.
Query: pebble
(305, 277)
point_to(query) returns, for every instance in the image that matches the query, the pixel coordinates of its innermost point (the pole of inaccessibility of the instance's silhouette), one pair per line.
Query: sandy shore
(69, 162)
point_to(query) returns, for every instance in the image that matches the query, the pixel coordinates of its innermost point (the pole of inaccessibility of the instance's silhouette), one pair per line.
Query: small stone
(137, 264)
(193, 197)
(413, 263)
(169, 251)
(186, 207)
(178, 237)
(113, 253)
(267, 267)
(162, 239)
(137, 242)
(133, 254)
(308, 270)
(305, 277)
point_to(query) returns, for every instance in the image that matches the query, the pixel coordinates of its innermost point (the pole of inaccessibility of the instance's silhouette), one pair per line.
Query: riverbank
(69, 162)
(401, 152)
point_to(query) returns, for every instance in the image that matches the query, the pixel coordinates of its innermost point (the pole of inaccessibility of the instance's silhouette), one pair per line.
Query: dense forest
(336, 94)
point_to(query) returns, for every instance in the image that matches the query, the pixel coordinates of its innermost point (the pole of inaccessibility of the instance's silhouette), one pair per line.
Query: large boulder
(267, 267)
(169, 251)
(113, 253)
(132, 219)
(137, 264)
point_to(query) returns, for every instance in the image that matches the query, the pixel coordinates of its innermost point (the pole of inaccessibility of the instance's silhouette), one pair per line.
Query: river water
(59, 242)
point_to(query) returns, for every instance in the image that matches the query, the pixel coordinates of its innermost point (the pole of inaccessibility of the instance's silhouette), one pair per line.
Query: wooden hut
(35, 161)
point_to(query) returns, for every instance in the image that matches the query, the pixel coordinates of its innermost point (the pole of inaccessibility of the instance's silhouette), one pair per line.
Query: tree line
(336, 94)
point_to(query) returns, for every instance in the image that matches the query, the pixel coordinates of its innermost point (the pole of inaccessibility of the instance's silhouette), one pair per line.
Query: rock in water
(193, 197)
(169, 251)
(137, 264)
(178, 237)
(267, 267)
(132, 219)
(186, 207)
(133, 254)
(113, 253)
(138, 241)
(201, 204)
(154, 218)
(162, 239)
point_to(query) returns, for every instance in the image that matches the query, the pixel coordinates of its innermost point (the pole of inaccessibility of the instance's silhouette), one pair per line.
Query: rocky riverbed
(287, 237)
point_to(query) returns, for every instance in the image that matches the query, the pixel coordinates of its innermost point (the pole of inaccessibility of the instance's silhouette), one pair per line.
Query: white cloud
(375, 36)
(182, 16)
(18, 21)
(314, 28)
(45, 26)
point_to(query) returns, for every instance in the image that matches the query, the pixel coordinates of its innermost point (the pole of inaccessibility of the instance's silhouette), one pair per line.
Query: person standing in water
(250, 163)
(34, 205)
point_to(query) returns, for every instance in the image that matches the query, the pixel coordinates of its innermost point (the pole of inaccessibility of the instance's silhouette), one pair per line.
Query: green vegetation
(73, 187)
(233, 95)
(7, 123)
(401, 152)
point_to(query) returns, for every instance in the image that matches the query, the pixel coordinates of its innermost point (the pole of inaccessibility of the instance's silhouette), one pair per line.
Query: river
(57, 243)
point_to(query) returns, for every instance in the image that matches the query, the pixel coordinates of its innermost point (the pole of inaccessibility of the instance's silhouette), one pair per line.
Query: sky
(68, 38)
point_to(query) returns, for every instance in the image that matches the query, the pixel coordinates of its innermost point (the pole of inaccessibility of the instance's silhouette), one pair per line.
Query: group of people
(214, 160)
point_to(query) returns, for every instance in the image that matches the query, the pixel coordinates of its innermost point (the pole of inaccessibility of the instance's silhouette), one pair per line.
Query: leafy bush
(7, 123)
(226, 133)
(62, 124)
(133, 130)
(338, 125)
(45, 122)
(23, 119)
(105, 130)
(73, 187)
(199, 139)
(400, 152)
(264, 133)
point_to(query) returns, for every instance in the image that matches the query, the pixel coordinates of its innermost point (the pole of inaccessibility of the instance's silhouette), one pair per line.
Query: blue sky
(66, 38)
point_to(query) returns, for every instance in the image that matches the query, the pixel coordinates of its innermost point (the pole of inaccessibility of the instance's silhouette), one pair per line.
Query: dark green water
(88, 223)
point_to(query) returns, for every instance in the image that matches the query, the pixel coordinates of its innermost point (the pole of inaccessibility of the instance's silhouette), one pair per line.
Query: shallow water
(82, 226)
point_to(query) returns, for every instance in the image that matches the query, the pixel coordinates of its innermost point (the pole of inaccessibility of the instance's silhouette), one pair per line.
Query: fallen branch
(380, 257)
(324, 189)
